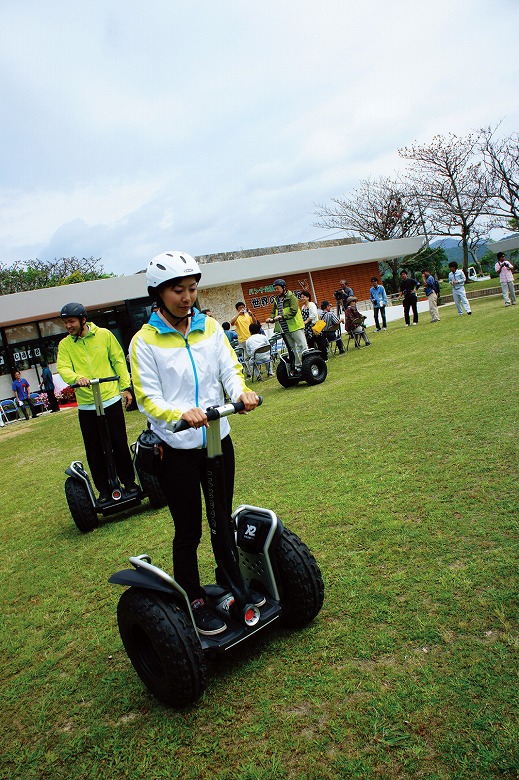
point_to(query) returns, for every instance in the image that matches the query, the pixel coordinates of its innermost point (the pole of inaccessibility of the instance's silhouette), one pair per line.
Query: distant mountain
(454, 251)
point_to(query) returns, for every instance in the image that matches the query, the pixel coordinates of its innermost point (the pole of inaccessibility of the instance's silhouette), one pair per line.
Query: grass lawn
(400, 473)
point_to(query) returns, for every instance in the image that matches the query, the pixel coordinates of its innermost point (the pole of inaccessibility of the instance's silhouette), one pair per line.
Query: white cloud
(217, 126)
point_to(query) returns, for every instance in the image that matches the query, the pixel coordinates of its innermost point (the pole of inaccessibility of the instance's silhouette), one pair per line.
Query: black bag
(436, 286)
(148, 452)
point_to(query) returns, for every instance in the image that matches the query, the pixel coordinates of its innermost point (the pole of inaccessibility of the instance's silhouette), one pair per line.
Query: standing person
(378, 298)
(47, 384)
(431, 286)
(332, 330)
(21, 390)
(408, 288)
(310, 315)
(89, 352)
(288, 320)
(242, 321)
(341, 296)
(181, 364)
(504, 268)
(457, 282)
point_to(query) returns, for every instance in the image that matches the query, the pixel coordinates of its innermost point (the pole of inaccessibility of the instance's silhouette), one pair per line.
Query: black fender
(145, 580)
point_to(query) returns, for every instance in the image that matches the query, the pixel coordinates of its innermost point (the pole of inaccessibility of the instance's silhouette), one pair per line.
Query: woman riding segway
(182, 363)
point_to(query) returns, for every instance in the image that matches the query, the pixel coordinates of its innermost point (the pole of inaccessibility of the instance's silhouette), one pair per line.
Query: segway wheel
(299, 580)
(314, 370)
(163, 646)
(150, 486)
(283, 377)
(83, 513)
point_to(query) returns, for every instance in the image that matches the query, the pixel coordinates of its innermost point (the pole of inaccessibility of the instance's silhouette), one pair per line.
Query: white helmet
(170, 265)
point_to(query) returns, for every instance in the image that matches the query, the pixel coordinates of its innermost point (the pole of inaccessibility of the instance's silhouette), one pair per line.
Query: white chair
(261, 357)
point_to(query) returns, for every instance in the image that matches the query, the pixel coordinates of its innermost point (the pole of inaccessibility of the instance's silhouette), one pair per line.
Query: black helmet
(279, 282)
(73, 310)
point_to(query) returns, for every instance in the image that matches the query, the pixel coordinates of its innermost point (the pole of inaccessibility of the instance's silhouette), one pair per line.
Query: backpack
(436, 286)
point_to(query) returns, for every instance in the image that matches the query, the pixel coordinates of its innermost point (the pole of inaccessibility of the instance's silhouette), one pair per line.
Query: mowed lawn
(400, 473)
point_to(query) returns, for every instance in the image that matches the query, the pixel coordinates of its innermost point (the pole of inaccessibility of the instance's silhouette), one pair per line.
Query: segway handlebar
(214, 412)
(98, 381)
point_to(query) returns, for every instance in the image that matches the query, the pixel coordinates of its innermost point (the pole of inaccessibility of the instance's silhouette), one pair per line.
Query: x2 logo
(250, 532)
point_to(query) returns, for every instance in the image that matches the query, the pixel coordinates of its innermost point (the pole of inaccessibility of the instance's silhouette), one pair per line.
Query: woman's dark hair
(306, 294)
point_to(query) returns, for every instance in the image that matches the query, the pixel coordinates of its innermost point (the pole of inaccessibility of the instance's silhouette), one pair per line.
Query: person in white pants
(457, 282)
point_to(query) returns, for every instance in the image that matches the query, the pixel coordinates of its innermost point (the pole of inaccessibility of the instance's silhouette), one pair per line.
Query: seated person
(254, 342)
(354, 320)
(332, 331)
(231, 334)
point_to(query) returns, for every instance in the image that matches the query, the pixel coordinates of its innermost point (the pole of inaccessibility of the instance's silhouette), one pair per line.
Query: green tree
(22, 276)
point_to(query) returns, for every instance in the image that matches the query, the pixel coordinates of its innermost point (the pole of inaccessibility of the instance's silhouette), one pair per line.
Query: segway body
(83, 505)
(313, 368)
(257, 556)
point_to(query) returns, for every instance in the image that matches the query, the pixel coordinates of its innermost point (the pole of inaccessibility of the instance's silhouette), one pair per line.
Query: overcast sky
(129, 128)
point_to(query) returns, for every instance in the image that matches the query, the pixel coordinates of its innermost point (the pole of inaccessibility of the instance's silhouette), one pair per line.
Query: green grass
(400, 473)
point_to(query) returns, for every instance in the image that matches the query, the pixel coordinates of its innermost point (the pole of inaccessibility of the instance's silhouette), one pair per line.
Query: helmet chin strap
(177, 320)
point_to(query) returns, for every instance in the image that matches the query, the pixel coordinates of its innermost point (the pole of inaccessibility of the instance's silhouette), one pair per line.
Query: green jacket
(291, 313)
(97, 355)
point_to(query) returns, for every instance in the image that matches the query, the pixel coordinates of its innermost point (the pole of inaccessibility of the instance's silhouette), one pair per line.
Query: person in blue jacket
(378, 298)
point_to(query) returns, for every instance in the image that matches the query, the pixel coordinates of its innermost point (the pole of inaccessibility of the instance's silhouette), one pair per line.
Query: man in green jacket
(289, 320)
(89, 352)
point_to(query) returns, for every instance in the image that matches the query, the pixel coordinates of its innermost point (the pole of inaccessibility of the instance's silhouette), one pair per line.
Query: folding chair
(277, 346)
(256, 362)
(355, 337)
(333, 343)
(9, 410)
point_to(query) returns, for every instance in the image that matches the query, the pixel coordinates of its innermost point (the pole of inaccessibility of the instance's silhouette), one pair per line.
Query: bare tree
(448, 175)
(501, 157)
(377, 210)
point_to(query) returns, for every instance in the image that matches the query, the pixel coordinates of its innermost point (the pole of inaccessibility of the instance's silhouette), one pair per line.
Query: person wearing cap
(504, 268)
(288, 320)
(182, 363)
(89, 352)
(332, 330)
(354, 320)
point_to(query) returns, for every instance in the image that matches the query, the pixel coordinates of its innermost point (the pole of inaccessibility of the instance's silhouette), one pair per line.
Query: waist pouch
(149, 450)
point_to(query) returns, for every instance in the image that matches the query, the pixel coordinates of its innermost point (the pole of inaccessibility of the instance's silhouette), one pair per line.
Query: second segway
(84, 507)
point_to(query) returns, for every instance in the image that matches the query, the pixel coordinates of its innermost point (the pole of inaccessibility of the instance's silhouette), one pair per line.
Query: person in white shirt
(504, 268)
(254, 342)
(457, 282)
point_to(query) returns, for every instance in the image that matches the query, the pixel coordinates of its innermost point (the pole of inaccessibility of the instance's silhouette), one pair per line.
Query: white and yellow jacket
(172, 373)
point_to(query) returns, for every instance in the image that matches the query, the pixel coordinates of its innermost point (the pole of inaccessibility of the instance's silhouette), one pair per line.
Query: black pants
(410, 302)
(25, 411)
(54, 406)
(94, 449)
(182, 473)
(380, 310)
